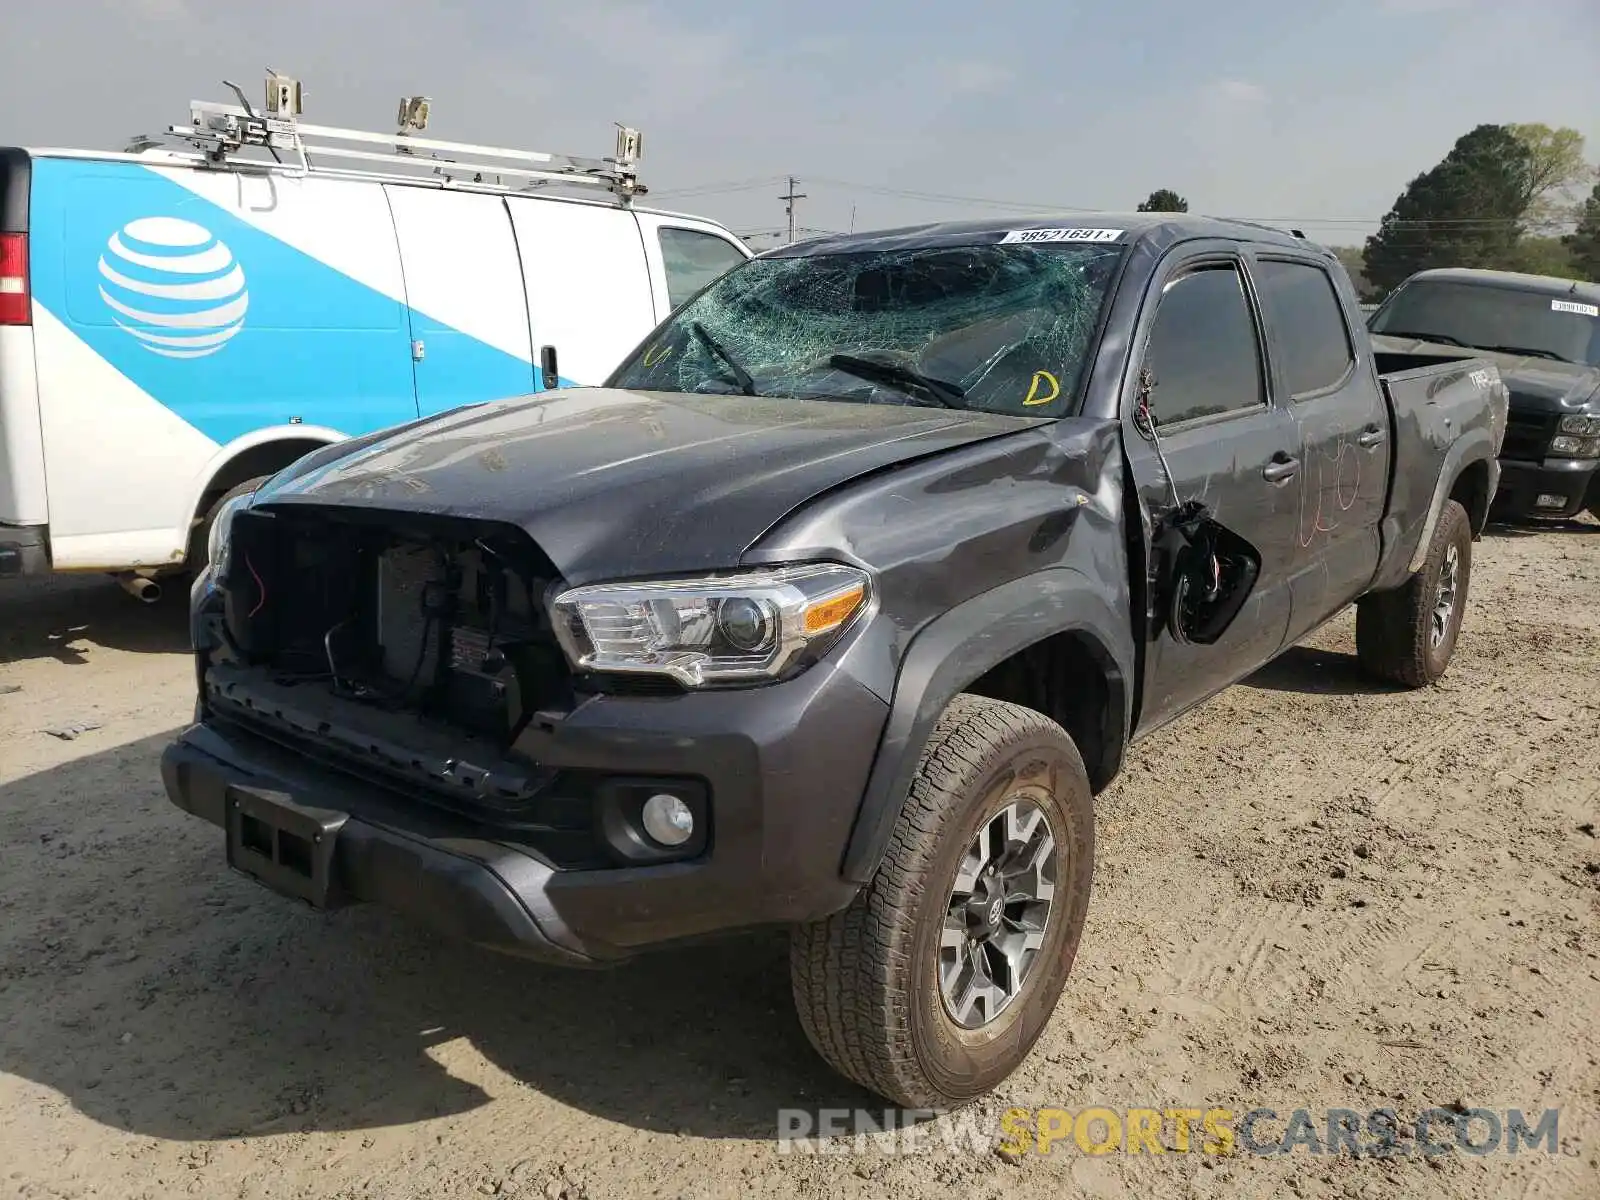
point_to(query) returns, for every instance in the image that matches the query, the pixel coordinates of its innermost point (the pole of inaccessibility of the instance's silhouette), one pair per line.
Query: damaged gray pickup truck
(834, 610)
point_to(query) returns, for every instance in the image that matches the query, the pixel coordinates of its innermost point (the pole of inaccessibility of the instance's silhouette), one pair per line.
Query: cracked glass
(992, 328)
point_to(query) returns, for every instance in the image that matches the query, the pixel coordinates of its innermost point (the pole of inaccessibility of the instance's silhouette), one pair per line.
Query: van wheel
(1408, 636)
(199, 556)
(933, 985)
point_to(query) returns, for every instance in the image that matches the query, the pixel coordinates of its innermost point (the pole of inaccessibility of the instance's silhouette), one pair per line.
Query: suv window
(1303, 312)
(1203, 348)
(693, 259)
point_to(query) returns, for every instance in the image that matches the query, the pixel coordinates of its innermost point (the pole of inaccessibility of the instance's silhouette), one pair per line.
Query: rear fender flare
(1476, 445)
(958, 648)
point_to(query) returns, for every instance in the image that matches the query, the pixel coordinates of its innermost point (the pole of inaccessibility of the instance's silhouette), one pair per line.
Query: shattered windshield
(995, 328)
(1564, 328)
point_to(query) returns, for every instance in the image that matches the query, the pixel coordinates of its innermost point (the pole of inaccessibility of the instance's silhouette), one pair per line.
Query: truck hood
(609, 481)
(1537, 385)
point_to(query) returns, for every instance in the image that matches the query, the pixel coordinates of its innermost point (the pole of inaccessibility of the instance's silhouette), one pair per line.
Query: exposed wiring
(422, 657)
(262, 587)
(327, 647)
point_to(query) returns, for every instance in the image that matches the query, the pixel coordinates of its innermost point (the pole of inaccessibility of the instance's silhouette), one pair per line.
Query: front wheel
(1408, 636)
(933, 985)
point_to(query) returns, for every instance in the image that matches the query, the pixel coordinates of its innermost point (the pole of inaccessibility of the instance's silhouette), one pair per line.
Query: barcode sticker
(1572, 306)
(1061, 235)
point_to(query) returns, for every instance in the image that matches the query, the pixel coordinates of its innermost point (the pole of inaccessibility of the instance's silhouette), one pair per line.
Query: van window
(1203, 348)
(693, 259)
(1305, 317)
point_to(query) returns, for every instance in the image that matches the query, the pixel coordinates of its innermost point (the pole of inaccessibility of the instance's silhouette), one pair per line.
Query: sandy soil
(1313, 893)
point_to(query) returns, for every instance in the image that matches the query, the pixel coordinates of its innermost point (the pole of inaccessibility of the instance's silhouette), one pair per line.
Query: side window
(1203, 348)
(1308, 324)
(693, 259)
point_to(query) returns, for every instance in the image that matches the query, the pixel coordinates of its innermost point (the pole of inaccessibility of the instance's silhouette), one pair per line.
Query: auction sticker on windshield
(1061, 235)
(1572, 306)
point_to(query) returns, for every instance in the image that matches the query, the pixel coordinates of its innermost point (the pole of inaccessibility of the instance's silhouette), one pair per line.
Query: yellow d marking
(656, 354)
(1049, 380)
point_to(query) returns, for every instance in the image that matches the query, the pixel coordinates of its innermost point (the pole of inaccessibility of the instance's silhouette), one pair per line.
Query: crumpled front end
(386, 714)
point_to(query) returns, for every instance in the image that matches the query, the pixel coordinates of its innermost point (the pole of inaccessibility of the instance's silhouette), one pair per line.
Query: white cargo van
(178, 323)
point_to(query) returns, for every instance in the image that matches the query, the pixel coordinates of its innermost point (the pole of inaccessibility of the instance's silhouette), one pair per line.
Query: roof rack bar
(462, 167)
(220, 130)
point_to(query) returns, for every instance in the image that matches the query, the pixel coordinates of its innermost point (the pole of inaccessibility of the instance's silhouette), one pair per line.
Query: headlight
(220, 539)
(744, 627)
(1582, 426)
(1566, 446)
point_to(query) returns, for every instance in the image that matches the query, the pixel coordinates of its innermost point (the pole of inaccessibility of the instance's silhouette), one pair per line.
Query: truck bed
(1436, 412)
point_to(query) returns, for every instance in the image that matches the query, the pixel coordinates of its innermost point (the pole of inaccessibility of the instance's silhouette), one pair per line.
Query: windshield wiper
(746, 383)
(946, 393)
(1445, 338)
(1530, 351)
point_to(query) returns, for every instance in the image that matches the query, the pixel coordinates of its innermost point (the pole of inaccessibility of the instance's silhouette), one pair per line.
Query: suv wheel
(1408, 636)
(933, 985)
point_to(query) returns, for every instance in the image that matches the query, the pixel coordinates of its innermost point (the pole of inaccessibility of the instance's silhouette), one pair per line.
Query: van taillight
(15, 308)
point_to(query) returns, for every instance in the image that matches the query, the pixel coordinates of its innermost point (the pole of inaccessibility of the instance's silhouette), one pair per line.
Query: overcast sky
(1317, 112)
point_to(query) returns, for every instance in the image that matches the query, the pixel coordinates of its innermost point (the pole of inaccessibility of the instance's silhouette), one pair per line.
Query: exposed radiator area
(446, 621)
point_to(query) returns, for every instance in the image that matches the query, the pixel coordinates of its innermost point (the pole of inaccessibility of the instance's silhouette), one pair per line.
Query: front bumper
(1522, 483)
(24, 550)
(784, 767)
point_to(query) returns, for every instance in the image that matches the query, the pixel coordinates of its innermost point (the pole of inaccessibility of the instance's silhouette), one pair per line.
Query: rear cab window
(1204, 349)
(1308, 325)
(693, 259)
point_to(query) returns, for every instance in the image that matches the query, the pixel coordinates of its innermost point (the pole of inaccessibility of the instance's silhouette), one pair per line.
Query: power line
(1468, 223)
(945, 198)
(717, 189)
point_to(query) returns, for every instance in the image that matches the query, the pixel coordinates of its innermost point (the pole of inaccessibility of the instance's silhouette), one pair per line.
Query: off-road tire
(1394, 630)
(198, 556)
(866, 980)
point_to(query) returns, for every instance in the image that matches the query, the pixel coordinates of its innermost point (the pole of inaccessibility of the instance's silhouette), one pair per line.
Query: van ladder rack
(222, 130)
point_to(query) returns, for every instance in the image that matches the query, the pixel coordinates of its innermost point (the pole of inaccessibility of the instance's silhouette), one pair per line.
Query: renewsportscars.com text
(1209, 1130)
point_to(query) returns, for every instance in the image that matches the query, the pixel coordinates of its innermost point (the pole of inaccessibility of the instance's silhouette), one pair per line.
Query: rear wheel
(1408, 636)
(932, 987)
(200, 537)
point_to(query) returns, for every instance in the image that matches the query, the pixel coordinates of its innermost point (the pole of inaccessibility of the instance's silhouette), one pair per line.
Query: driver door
(1231, 447)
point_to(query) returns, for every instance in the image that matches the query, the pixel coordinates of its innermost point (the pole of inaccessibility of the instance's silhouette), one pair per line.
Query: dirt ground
(1312, 894)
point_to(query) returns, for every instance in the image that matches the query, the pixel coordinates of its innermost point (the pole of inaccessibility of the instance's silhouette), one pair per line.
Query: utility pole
(789, 198)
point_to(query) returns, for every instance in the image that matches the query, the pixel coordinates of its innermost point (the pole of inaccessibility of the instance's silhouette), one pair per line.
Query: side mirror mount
(549, 376)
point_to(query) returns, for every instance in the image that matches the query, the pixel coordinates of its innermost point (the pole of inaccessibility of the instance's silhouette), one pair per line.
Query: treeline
(1506, 197)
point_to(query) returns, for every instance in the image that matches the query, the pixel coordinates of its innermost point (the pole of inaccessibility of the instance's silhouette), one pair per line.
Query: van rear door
(469, 314)
(588, 284)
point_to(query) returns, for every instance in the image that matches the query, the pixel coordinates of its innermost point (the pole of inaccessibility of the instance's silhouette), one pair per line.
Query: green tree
(1555, 166)
(1583, 243)
(1543, 256)
(1355, 266)
(1465, 212)
(1164, 200)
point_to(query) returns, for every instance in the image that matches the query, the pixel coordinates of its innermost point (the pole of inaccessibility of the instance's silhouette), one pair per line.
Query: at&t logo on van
(173, 286)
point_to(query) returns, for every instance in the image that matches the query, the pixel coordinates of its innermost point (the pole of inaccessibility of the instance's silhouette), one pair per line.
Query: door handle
(1280, 470)
(1370, 438)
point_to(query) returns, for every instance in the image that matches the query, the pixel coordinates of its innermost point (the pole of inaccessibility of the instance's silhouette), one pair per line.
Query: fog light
(667, 820)
(1548, 501)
